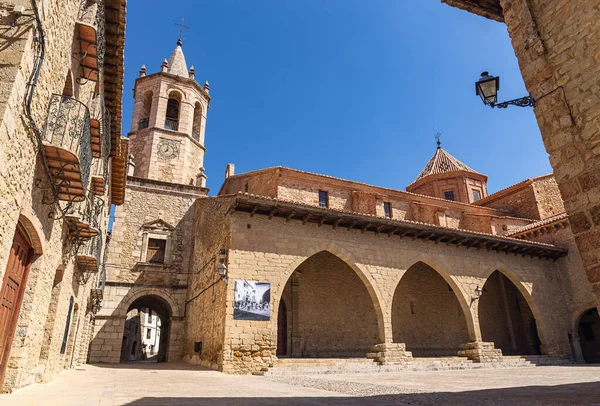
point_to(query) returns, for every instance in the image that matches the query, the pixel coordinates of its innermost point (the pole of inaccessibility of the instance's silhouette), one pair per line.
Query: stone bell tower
(168, 124)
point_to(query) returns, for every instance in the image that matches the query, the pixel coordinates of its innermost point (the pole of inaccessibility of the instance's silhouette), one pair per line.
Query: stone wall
(206, 298)
(270, 251)
(43, 312)
(151, 210)
(301, 187)
(426, 315)
(324, 324)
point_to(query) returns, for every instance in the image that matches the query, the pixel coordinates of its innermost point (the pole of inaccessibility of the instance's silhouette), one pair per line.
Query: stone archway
(146, 331)
(332, 312)
(506, 318)
(588, 330)
(428, 313)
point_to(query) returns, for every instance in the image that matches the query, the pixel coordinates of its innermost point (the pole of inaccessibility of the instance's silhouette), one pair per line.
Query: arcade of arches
(427, 316)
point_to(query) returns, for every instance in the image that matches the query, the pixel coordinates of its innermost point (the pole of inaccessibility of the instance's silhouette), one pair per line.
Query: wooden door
(282, 329)
(11, 294)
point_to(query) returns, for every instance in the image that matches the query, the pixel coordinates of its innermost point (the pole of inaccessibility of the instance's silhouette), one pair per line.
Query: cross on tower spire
(181, 28)
(437, 138)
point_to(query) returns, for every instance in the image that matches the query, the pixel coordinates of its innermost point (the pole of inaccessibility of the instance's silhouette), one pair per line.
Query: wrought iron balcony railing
(89, 255)
(91, 39)
(67, 146)
(171, 124)
(143, 123)
(100, 141)
(86, 216)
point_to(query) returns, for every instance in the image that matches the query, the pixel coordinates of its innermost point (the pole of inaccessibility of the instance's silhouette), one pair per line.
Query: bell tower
(168, 124)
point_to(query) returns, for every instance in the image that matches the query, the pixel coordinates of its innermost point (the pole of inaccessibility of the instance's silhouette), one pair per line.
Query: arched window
(172, 117)
(197, 127)
(145, 110)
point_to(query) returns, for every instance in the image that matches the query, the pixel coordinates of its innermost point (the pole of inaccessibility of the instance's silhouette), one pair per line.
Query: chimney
(230, 170)
(192, 73)
(165, 66)
(143, 71)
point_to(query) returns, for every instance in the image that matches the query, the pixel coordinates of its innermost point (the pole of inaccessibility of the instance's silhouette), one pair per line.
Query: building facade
(284, 263)
(61, 167)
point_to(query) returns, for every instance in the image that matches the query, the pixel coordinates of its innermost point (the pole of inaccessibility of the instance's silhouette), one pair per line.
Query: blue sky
(348, 88)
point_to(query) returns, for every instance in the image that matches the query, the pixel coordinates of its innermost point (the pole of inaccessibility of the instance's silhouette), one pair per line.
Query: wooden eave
(118, 174)
(320, 216)
(486, 8)
(113, 69)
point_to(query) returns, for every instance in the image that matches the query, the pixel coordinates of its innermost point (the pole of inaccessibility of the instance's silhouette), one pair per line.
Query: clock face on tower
(168, 149)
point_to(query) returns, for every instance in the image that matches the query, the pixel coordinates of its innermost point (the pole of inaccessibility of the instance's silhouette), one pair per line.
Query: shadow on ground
(571, 394)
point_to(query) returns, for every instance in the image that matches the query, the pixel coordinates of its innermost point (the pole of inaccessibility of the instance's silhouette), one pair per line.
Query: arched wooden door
(11, 294)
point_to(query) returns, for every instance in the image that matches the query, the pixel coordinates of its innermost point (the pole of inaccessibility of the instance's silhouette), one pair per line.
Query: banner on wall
(252, 301)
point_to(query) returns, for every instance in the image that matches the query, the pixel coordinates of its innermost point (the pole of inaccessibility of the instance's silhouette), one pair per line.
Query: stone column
(390, 354)
(296, 350)
(576, 349)
(559, 64)
(480, 352)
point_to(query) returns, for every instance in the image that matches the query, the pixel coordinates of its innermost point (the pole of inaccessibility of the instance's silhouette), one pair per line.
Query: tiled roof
(506, 191)
(538, 224)
(443, 162)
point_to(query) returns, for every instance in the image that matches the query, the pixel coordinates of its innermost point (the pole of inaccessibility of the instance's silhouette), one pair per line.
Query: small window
(387, 208)
(476, 195)
(156, 251)
(150, 317)
(323, 198)
(148, 333)
(152, 349)
(449, 195)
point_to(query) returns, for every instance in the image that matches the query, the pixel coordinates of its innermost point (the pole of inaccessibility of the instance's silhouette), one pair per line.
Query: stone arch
(464, 298)
(151, 315)
(133, 295)
(33, 228)
(526, 295)
(309, 279)
(175, 92)
(346, 257)
(429, 312)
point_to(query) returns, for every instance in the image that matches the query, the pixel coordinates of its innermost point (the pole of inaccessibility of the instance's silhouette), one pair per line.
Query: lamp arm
(526, 101)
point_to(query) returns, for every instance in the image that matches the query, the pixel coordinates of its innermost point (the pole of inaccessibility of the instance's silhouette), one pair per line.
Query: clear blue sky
(348, 88)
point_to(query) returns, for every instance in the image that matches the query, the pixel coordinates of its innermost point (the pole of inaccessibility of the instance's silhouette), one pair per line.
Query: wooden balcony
(89, 255)
(89, 31)
(67, 147)
(85, 216)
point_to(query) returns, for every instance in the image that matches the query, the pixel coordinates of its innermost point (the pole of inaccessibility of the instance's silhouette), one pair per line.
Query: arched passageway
(506, 319)
(146, 333)
(330, 311)
(589, 335)
(426, 314)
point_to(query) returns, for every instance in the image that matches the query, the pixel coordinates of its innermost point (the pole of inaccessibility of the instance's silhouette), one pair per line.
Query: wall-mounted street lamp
(487, 88)
(478, 293)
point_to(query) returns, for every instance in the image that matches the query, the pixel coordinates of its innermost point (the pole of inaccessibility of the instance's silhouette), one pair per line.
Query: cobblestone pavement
(183, 385)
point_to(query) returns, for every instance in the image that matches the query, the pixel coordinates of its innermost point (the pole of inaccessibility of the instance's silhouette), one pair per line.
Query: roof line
(250, 173)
